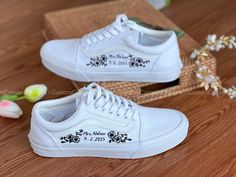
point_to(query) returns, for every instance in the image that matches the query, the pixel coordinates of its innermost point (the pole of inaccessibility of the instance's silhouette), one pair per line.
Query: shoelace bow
(109, 31)
(108, 102)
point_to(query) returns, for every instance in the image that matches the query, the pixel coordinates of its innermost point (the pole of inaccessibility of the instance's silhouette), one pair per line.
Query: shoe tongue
(135, 35)
(83, 93)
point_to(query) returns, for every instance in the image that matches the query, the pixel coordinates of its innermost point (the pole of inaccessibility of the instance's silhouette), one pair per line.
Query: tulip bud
(35, 92)
(9, 109)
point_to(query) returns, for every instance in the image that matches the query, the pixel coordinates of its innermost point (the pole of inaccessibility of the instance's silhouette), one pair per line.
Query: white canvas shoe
(94, 122)
(122, 51)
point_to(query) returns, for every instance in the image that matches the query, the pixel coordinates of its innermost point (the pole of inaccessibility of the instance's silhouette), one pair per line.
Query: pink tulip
(9, 109)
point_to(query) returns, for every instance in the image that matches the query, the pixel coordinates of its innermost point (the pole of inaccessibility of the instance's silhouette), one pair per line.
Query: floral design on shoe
(138, 62)
(132, 62)
(98, 61)
(118, 137)
(72, 138)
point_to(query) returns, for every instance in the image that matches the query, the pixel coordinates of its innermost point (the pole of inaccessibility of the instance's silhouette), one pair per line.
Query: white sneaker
(122, 51)
(94, 122)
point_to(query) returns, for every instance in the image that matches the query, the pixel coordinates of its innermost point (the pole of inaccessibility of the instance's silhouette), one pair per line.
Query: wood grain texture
(210, 148)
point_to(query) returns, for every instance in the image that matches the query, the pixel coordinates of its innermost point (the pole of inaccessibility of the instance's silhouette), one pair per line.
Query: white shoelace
(108, 102)
(111, 30)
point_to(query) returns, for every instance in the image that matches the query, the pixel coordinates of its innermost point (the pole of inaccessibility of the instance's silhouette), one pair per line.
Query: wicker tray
(76, 22)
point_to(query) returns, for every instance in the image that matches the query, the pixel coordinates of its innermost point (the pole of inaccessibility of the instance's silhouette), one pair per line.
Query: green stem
(20, 98)
(12, 97)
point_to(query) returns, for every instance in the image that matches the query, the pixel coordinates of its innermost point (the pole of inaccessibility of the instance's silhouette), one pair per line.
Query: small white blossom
(194, 54)
(215, 93)
(212, 48)
(232, 44)
(210, 79)
(219, 46)
(234, 93)
(199, 76)
(225, 90)
(211, 38)
(202, 68)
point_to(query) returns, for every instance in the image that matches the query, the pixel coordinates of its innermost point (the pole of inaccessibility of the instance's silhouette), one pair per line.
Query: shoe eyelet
(110, 112)
(95, 107)
(117, 115)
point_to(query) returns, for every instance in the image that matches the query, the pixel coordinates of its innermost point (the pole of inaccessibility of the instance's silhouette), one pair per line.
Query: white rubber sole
(146, 149)
(156, 77)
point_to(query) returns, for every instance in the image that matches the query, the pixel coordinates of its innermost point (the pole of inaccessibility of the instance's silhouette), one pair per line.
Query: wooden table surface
(210, 148)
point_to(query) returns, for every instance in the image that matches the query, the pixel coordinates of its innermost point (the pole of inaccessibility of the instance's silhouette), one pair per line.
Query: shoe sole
(155, 77)
(148, 148)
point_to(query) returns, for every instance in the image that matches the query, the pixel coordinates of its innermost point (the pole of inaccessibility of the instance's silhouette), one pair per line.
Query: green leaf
(168, 2)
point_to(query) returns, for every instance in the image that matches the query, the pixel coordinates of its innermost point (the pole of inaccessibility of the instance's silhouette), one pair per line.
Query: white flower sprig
(204, 74)
(214, 44)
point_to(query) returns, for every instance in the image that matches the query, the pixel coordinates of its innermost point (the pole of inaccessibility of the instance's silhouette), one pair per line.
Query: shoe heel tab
(173, 36)
(36, 107)
(35, 112)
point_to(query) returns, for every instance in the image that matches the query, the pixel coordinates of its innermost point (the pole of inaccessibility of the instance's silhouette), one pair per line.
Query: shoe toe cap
(160, 122)
(60, 52)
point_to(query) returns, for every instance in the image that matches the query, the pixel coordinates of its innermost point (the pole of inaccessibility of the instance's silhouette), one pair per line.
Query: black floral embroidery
(98, 61)
(118, 137)
(72, 138)
(138, 62)
(132, 61)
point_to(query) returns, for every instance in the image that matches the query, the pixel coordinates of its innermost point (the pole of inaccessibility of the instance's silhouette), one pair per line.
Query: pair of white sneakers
(94, 121)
